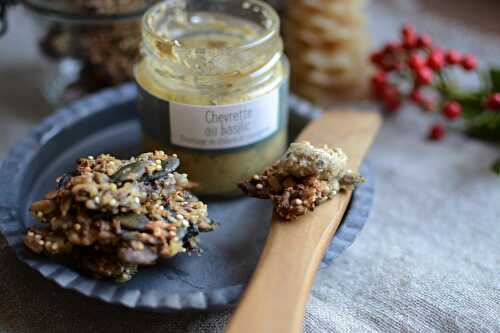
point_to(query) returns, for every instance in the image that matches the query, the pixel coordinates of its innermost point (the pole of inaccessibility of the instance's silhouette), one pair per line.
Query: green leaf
(495, 79)
(484, 125)
(472, 104)
(495, 167)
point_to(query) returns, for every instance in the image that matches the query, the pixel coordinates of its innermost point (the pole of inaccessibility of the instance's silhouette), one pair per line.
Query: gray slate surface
(428, 260)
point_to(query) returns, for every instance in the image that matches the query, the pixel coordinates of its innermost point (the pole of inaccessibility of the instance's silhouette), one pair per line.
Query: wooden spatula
(275, 298)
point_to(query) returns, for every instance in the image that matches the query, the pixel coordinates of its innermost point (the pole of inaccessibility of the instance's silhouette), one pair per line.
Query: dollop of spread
(304, 177)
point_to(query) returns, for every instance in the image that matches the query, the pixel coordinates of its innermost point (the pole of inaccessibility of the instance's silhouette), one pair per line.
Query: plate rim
(12, 227)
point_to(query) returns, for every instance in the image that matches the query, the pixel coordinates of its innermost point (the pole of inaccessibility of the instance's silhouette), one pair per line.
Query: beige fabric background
(427, 261)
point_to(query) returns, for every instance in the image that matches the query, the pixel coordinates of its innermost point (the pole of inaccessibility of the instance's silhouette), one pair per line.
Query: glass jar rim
(268, 34)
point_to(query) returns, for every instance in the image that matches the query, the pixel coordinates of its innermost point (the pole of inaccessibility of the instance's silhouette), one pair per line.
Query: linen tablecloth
(427, 261)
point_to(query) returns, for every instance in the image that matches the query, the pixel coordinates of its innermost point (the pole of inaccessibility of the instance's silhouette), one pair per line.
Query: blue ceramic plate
(107, 122)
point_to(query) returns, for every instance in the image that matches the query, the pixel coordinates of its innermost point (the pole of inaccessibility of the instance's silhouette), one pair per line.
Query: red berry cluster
(412, 68)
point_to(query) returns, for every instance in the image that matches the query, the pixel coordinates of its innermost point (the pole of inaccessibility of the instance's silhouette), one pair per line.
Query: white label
(224, 126)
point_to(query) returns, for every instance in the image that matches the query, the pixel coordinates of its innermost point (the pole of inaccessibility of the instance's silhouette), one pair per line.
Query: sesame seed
(137, 200)
(259, 186)
(54, 247)
(30, 233)
(256, 177)
(97, 200)
(77, 226)
(38, 237)
(90, 157)
(113, 202)
(298, 202)
(171, 233)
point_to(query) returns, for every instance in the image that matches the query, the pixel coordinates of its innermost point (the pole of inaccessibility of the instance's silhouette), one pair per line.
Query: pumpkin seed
(167, 166)
(131, 171)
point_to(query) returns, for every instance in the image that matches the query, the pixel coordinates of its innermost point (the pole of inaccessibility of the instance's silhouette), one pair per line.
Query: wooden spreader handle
(275, 299)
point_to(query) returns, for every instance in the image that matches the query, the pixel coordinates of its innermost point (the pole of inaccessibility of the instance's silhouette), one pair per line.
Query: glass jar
(214, 82)
(87, 44)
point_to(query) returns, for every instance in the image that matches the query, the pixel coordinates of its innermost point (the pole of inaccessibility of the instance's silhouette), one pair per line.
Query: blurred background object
(88, 44)
(328, 47)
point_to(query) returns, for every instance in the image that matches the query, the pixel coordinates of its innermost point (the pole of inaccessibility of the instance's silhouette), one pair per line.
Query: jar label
(214, 127)
(224, 126)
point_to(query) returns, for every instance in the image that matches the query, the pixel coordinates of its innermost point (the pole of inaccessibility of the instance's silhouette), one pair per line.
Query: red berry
(408, 30)
(452, 110)
(392, 104)
(409, 42)
(416, 61)
(494, 101)
(453, 57)
(427, 104)
(424, 76)
(379, 82)
(379, 79)
(436, 60)
(469, 62)
(437, 132)
(391, 48)
(409, 37)
(377, 58)
(416, 96)
(391, 98)
(424, 102)
(424, 41)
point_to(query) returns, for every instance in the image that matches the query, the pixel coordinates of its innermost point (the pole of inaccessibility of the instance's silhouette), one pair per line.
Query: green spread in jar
(213, 82)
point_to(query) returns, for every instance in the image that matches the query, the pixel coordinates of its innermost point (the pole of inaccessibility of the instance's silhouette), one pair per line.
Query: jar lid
(91, 11)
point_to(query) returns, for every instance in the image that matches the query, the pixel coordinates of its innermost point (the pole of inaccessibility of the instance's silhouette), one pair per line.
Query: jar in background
(89, 44)
(328, 44)
(213, 84)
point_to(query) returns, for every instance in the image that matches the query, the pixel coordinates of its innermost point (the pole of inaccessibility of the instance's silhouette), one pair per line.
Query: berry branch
(414, 69)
